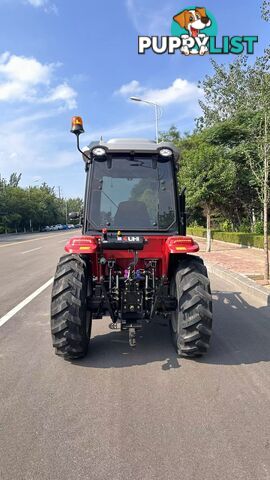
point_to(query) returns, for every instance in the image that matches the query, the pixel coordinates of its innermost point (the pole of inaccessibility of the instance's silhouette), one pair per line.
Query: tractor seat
(132, 214)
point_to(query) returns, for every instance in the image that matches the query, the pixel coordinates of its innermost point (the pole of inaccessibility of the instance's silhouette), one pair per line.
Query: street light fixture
(157, 111)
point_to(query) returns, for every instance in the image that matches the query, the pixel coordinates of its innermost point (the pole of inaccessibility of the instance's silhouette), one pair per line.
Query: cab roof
(128, 145)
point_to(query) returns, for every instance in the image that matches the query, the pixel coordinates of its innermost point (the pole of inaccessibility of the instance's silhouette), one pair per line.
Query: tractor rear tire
(191, 323)
(70, 321)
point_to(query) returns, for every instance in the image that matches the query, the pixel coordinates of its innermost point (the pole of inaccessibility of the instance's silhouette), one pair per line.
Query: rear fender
(83, 245)
(175, 248)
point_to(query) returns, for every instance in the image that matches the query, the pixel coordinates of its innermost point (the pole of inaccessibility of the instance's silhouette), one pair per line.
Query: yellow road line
(33, 240)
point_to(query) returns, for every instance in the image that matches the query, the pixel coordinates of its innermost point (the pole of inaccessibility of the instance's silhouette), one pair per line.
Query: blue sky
(60, 58)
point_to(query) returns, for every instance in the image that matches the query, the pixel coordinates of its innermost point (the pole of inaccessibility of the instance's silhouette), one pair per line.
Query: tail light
(182, 244)
(81, 245)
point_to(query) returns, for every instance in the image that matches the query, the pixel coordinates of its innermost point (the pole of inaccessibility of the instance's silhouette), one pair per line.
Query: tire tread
(68, 308)
(194, 319)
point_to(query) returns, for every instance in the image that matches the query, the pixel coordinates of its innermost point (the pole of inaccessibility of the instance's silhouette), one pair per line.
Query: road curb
(246, 284)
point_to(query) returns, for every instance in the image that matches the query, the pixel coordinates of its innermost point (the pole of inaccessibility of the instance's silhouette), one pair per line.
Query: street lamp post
(66, 211)
(30, 219)
(157, 110)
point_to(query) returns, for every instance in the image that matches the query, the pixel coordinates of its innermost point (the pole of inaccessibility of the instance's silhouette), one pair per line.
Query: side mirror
(74, 215)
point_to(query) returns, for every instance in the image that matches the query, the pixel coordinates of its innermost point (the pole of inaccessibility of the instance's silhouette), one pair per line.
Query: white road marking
(33, 240)
(32, 250)
(25, 302)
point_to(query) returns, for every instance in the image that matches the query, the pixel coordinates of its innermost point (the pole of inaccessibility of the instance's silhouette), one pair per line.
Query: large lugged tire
(70, 320)
(191, 324)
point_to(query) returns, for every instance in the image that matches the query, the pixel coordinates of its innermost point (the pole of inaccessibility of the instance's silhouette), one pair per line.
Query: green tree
(209, 176)
(74, 205)
(14, 179)
(232, 135)
(244, 89)
(265, 10)
(31, 207)
(172, 135)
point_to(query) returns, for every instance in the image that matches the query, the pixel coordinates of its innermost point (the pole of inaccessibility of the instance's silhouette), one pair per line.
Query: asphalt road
(123, 414)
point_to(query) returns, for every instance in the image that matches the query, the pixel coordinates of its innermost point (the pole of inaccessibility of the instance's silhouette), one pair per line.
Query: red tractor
(133, 260)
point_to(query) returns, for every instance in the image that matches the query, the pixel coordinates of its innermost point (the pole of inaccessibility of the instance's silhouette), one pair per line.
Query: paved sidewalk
(235, 258)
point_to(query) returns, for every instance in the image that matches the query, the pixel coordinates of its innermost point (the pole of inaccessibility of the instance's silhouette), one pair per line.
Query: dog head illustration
(193, 20)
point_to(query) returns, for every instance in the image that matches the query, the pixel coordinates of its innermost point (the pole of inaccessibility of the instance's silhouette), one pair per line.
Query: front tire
(191, 323)
(70, 321)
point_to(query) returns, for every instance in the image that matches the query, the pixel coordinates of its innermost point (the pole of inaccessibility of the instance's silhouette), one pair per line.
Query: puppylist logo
(194, 32)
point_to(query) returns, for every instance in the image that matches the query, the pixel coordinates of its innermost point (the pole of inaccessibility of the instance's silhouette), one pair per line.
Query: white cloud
(31, 148)
(24, 70)
(144, 126)
(32, 144)
(63, 93)
(148, 19)
(25, 79)
(130, 88)
(46, 5)
(180, 91)
(29, 97)
(37, 3)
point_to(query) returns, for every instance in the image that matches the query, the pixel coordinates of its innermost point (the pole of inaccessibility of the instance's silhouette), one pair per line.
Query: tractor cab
(131, 186)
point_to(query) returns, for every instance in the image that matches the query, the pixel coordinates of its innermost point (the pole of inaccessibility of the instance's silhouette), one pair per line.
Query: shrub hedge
(247, 239)
(197, 231)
